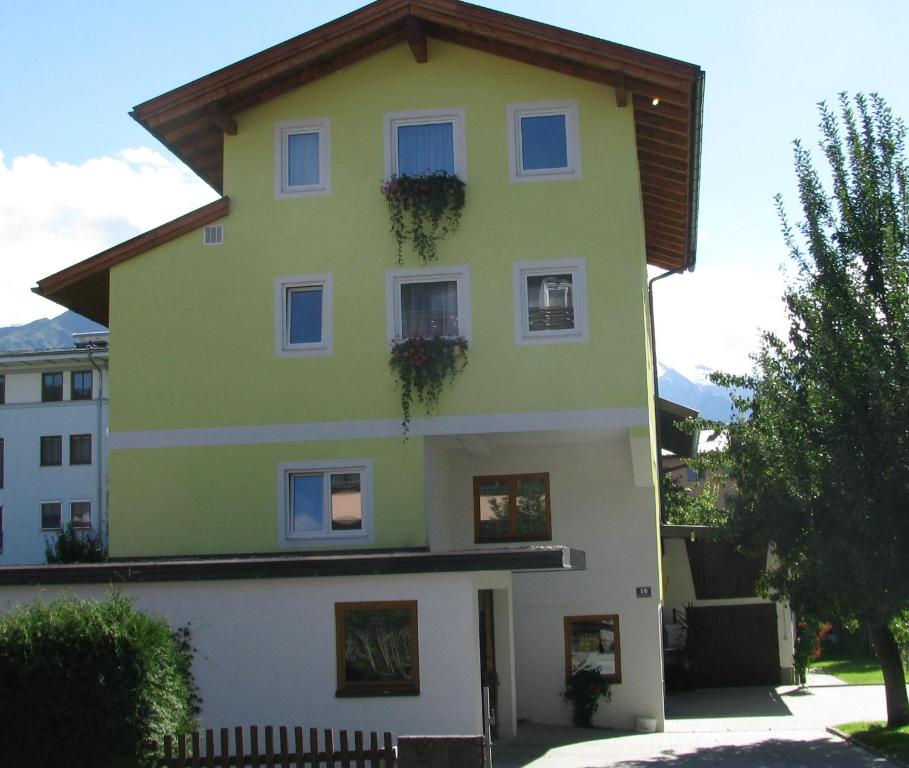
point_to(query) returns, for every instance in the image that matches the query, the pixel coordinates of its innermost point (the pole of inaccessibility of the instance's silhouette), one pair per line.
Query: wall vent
(213, 234)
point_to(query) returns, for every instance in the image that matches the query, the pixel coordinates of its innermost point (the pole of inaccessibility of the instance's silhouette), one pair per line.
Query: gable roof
(665, 94)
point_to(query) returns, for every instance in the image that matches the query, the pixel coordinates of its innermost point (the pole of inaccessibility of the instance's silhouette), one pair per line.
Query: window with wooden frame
(592, 642)
(377, 648)
(512, 507)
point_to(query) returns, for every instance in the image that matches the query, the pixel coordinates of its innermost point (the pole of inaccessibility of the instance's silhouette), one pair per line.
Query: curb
(871, 750)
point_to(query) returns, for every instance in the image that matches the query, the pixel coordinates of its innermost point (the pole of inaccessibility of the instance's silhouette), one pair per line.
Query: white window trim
(91, 514)
(322, 126)
(539, 108)
(454, 116)
(41, 503)
(520, 272)
(286, 538)
(395, 278)
(283, 347)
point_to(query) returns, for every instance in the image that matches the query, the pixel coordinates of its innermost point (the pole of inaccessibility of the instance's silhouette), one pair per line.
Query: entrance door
(488, 676)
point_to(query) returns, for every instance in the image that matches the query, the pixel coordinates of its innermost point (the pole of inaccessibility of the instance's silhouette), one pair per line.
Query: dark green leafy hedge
(90, 683)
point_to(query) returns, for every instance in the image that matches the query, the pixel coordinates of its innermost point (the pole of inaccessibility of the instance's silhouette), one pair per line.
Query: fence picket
(197, 748)
(314, 747)
(329, 748)
(345, 749)
(373, 749)
(388, 758)
(269, 746)
(298, 745)
(181, 749)
(254, 745)
(224, 759)
(241, 757)
(359, 756)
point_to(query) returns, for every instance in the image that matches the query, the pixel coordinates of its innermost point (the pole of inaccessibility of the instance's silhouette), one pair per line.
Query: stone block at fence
(440, 752)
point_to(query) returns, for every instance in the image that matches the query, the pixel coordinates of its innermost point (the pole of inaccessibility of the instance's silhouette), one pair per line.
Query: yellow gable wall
(194, 325)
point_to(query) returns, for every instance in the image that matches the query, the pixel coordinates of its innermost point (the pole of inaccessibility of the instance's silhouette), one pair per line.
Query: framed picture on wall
(592, 642)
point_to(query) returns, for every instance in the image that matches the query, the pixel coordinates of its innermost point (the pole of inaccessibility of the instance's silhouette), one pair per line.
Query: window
(213, 234)
(543, 141)
(51, 387)
(325, 501)
(51, 450)
(303, 158)
(592, 642)
(2, 390)
(512, 507)
(1, 529)
(425, 142)
(1, 462)
(377, 649)
(303, 308)
(80, 514)
(550, 301)
(428, 302)
(80, 385)
(51, 519)
(80, 449)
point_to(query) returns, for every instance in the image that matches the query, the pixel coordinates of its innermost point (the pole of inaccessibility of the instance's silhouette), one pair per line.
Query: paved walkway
(749, 727)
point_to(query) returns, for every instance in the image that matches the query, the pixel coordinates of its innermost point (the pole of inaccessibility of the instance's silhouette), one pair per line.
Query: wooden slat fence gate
(194, 751)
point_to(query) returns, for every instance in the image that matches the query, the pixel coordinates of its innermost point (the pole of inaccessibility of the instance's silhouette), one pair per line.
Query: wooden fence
(290, 751)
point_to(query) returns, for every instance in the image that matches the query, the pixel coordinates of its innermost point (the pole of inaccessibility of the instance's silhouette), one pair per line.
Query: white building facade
(53, 446)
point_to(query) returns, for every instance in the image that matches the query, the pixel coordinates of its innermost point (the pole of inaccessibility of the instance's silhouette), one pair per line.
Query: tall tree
(820, 448)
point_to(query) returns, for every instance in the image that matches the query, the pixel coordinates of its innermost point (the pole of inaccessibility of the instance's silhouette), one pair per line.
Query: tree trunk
(888, 653)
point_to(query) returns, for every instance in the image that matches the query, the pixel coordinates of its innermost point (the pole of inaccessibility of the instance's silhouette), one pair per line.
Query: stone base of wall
(440, 752)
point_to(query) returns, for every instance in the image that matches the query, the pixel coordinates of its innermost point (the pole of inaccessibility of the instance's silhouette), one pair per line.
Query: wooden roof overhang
(666, 96)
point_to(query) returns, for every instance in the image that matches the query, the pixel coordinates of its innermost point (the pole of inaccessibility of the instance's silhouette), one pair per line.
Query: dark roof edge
(694, 178)
(548, 558)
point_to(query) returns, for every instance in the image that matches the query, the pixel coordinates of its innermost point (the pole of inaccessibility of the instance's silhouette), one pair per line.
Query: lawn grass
(893, 742)
(855, 670)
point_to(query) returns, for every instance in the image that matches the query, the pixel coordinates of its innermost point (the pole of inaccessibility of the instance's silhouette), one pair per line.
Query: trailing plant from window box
(422, 366)
(424, 209)
(584, 690)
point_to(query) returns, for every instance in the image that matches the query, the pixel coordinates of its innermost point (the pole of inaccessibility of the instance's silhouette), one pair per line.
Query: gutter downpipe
(102, 455)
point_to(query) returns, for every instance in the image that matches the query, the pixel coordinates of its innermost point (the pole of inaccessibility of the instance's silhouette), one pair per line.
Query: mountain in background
(49, 333)
(711, 401)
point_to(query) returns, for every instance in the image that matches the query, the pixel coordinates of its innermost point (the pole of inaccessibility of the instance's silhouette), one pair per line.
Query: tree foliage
(819, 449)
(682, 506)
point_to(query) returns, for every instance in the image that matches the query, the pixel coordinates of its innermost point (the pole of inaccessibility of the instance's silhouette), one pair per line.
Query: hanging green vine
(422, 366)
(424, 209)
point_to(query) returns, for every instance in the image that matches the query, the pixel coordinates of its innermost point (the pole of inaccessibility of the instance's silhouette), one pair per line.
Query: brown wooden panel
(733, 645)
(719, 571)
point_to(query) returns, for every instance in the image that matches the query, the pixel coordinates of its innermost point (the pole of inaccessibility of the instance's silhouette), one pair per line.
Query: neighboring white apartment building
(53, 445)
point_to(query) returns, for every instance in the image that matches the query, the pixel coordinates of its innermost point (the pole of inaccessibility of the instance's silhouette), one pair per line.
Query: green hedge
(90, 683)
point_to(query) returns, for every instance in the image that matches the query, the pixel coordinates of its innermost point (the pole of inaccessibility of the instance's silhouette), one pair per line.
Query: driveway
(780, 727)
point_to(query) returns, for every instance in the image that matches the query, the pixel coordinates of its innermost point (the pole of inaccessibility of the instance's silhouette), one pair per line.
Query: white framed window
(325, 501)
(550, 301)
(428, 302)
(543, 143)
(51, 515)
(303, 157)
(425, 141)
(80, 514)
(303, 315)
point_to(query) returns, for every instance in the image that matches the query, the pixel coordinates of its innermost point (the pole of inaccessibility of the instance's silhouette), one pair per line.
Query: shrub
(90, 683)
(74, 546)
(584, 690)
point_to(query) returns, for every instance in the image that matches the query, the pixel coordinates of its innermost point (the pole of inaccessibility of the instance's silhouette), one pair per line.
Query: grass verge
(849, 669)
(893, 742)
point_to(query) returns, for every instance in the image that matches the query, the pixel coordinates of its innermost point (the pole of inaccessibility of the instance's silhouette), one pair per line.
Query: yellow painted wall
(193, 326)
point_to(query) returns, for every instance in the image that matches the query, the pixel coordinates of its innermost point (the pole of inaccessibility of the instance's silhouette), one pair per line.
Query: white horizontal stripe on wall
(547, 421)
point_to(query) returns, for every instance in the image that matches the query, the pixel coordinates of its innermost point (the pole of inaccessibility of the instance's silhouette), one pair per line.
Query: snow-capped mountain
(711, 401)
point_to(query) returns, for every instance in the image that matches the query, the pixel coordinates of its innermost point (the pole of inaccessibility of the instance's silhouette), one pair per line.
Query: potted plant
(584, 690)
(423, 209)
(422, 366)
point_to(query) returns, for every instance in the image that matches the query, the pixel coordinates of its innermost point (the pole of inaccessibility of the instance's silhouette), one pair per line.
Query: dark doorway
(488, 677)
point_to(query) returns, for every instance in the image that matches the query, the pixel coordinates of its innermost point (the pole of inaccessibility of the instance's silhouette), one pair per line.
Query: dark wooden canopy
(665, 94)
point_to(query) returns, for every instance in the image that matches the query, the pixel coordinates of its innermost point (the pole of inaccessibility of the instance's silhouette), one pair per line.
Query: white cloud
(55, 214)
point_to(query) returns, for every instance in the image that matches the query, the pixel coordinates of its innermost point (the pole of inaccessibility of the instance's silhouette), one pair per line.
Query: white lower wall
(596, 507)
(266, 648)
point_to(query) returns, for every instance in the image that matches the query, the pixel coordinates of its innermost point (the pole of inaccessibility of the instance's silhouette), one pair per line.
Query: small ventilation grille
(213, 235)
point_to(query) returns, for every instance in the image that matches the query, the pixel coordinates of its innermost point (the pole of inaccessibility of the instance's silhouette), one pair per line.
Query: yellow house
(255, 424)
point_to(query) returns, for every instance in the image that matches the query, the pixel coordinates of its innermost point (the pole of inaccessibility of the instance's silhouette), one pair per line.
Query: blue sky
(77, 174)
